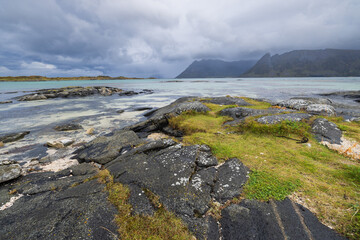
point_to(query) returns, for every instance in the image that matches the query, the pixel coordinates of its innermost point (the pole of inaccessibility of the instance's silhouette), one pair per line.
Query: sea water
(100, 111)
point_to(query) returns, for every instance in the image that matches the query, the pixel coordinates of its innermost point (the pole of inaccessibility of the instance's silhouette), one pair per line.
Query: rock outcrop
(325, 130)
(12, 137)
(9, 171)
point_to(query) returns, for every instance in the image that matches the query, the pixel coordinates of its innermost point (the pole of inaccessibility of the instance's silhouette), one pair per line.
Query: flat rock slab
(240, 113)
(12, 137)
(325, 130)
(227, 101)
(272, 220)
(273, 119)
(103, 149)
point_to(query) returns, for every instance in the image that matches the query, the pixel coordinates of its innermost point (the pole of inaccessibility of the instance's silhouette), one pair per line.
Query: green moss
(163, 225)
(256, 104)
(265, 186)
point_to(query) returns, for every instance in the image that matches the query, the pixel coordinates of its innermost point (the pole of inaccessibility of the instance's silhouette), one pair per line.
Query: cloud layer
(161, 37)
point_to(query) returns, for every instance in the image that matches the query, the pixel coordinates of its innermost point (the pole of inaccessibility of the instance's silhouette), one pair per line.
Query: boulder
(240, 113)
(321, 109)
(9, 171)
(325, 130)
(61, 143)
(273, 119)
(12, 137)
(232, 175)
(103, 149)
(297, 104)
(68, 127)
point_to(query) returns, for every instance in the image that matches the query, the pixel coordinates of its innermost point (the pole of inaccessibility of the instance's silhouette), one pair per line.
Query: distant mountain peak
(215, 68)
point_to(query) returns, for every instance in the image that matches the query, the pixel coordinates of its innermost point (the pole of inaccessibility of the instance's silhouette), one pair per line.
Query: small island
(42, 78)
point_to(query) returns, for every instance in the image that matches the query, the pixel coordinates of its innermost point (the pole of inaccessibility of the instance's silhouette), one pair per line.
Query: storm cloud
(161, 37)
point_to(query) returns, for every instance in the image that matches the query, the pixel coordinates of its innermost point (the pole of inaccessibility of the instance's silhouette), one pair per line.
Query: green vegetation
(265, 186)
(163, 225)
(41, 78)
(324, 181)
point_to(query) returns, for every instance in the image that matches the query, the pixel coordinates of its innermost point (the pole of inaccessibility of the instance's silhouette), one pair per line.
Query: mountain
(216, 69)
(308, 63)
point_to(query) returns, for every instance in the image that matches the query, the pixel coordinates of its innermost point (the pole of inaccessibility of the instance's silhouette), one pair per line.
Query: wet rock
(120, 111)
(232, 175)
(272, 220)
(325, 130)
(346, 94)
(273, 119)
(5, 102)
(228, 101)
(103, 149)
(68, 127)
(9, 171)
(60, 143)
(128, 93)
(12, 137)
(142, 109)
(321, 109)
(68, 92)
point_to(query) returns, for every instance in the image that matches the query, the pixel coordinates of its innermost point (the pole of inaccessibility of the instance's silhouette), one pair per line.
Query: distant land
(41, 78)
(308, 63)
(297, 63)
(216, 69)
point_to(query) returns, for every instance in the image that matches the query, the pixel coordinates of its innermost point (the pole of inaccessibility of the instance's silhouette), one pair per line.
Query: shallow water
(99, 112)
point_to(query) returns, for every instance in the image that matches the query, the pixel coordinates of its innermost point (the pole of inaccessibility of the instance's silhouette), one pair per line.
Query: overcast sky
(144, 38)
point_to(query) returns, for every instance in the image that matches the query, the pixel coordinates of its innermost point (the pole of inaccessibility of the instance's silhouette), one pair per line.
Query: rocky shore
(204, 191)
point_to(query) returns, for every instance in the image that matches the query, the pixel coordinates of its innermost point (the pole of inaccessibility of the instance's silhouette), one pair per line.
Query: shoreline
(44, 79)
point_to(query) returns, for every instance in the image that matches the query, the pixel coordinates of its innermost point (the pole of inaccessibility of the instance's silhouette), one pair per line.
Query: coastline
(42, 78)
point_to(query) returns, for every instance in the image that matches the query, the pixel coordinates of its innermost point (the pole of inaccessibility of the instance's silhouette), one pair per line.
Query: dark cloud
(161, 37)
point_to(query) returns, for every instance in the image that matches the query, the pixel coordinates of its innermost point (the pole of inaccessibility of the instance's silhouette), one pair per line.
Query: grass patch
(325, 181)
(265, 186)
(256, 104)
(162, 225)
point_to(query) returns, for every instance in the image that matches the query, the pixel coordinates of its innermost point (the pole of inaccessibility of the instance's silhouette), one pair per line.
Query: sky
(160, 38)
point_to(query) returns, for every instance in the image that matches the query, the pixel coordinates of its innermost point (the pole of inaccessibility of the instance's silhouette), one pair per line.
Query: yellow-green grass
(162, 225)
(326, 182)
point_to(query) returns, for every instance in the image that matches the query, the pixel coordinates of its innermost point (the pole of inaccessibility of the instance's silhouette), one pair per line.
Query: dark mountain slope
(308, 63)
(216, 69)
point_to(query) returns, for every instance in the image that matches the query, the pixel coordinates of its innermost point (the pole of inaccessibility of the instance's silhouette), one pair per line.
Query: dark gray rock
(232, 175)
(171, 171)
(273, 119)
(9, 171)
(325, 130)
(120, 111)
(158, 119)
(139, 201)
(12, 137)
(128, 93)
(103, 149)
(321, 109)
(80, 212)
(5, 102)
(228, 101)
(241, 113)
(142, 109)
(83, 169)
(272, 220)
(68, 127)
